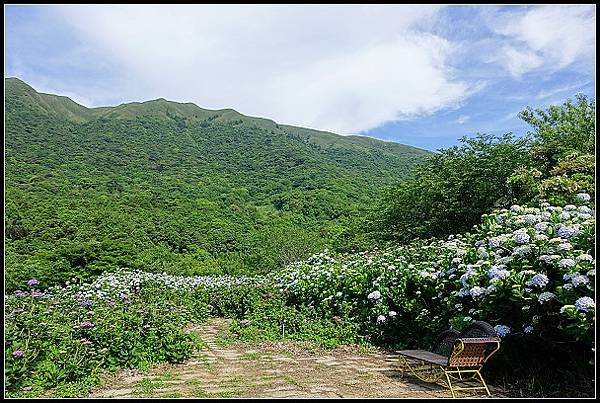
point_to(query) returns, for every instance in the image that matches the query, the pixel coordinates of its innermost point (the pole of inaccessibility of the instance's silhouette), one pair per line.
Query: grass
(147, 386)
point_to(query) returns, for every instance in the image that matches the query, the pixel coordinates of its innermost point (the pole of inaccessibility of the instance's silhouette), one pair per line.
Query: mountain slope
(169, 186)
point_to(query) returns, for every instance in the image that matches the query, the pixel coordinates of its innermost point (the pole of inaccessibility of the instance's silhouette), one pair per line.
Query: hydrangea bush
(64, 336)
(526, 270)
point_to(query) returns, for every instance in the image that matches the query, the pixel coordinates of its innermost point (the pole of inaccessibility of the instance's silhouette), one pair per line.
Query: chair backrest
(478, 328)
(473, 351)
(445, 342)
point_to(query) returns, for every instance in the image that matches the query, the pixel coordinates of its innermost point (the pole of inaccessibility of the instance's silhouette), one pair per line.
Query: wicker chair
(455, 356)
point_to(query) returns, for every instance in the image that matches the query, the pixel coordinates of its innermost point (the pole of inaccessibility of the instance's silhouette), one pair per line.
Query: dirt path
(271, 370)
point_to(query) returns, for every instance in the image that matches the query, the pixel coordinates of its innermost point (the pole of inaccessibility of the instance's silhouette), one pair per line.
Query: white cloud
(462, 119)
(548, 37)
(341, 68)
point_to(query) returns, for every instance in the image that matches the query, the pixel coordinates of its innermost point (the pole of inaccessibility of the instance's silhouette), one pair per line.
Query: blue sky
(419, 75)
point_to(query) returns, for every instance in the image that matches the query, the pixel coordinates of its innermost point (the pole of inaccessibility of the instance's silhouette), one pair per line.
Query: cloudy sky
(419, 75)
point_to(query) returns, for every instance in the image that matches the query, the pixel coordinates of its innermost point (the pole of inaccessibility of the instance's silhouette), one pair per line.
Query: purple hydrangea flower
(86, 303)
(584, 304)
(32, 282)
(86, 324)
(18, 353)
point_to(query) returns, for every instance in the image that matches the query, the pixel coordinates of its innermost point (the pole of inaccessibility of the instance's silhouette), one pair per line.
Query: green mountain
(168, 186)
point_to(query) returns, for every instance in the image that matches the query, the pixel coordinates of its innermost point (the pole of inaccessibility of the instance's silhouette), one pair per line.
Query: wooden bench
(457, 356)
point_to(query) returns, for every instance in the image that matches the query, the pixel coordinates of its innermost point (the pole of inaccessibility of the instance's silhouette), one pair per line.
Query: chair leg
(449, 383)
(484, 384)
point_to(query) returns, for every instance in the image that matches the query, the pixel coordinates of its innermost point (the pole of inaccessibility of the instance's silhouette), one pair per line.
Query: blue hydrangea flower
(566, 232)
(515, 208)
(579, 279)
(477, 292)
(497, 272)
(564, 246)
(528, 329)
(539, 280)
(502, 330)
(584, 209)
(565, 263)
(545, 297)
(494, 242)
(32, 282)
(584, 197)
(585, 304)
(521, 237)
(522, 250)
(499, 219)
(564, 216)
(529, 218)
(584, 257)
(546, 259)
(541, 227)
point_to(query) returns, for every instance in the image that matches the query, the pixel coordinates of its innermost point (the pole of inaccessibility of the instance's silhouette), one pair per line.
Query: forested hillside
(166, 186)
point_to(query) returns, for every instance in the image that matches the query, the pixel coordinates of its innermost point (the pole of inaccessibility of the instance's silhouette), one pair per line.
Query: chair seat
(425, 356)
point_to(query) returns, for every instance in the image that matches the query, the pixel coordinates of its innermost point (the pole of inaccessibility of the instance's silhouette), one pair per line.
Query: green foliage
(272, 317)
(450, 190)
(562, 157)
(562, 129)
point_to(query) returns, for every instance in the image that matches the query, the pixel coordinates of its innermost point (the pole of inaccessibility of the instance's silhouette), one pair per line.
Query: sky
(416, 74)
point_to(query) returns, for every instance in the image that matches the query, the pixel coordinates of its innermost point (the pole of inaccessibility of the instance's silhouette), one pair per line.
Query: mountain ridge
(187, 110)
